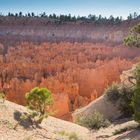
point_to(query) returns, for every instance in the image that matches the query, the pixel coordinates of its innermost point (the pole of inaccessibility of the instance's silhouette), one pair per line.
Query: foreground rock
(56, 129)
(101, 105)
(51, 128)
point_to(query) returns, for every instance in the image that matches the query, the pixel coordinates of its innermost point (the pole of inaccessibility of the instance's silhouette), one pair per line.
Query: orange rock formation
(75, 73)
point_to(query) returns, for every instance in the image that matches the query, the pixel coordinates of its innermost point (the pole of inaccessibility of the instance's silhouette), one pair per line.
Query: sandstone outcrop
(101, 105)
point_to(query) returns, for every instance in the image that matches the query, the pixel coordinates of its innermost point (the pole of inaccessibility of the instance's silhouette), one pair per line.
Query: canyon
(75, 73)
(75, 62)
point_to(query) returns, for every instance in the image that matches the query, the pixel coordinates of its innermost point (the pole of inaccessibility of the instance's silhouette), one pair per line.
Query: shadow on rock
(26, 123)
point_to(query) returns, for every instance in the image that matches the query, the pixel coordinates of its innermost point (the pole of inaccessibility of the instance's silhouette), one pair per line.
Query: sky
(74, 7)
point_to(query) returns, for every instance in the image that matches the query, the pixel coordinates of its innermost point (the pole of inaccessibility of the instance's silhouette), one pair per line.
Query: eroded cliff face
(79, 33)
(75, 73)
(72, 32)
(15, 29)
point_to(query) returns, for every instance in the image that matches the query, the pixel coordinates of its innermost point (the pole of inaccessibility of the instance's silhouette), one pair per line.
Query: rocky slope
(56, 129)
(50, 129)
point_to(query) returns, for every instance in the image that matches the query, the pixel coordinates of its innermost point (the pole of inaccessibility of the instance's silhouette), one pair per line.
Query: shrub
(73, 136)
(70, 136)
(133, 39)
(112, 93)
(136, 98)
(95, 121)
(39, 101)
(2, 97)
(122, 96)
(28, 138)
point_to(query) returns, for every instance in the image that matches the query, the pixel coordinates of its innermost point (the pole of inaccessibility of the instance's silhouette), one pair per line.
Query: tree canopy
(69, 18)
(133, 39)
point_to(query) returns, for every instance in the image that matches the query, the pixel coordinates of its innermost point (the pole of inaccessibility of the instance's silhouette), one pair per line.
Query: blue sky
(75, 7)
